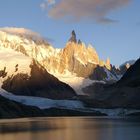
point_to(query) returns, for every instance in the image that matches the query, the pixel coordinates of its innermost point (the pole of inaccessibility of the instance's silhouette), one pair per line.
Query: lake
(70, 128)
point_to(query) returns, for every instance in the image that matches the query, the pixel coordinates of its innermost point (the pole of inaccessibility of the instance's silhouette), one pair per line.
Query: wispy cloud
(105, 20)
(47, 3)
(97, 10)
(25, 33)
(50, 40)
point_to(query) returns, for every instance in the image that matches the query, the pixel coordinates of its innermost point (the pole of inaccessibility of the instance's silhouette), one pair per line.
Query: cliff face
(78, 59)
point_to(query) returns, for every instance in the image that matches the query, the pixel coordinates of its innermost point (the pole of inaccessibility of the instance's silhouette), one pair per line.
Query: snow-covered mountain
(21, 75)
(125, 66)
(26, 42)
(74, 60)
(34, 73)
(130, 62)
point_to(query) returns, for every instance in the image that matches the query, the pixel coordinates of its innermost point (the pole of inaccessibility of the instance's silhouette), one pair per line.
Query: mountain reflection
(69, 129)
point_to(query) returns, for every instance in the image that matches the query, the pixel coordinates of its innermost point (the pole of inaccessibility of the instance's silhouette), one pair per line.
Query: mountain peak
(108, 64)
(73, 37)
(79, 42)
(125, 66)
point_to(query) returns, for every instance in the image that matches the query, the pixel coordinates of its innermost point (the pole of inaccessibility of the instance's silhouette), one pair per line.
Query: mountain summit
(73, 37)
(75, 58)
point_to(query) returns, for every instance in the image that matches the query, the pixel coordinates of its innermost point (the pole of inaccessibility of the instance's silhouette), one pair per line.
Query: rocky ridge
(76, 58)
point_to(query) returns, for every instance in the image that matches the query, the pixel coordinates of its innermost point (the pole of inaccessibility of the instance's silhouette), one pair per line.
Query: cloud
(97, 10)
(50, 40)
(47, 3)
(105, 20)
(25, 33)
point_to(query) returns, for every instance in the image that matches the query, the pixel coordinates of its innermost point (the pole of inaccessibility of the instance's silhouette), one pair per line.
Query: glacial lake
(70, 128)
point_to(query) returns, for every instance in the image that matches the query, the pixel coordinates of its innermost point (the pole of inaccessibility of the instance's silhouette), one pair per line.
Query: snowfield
(77, 83)
(42, 103)
(10, 59)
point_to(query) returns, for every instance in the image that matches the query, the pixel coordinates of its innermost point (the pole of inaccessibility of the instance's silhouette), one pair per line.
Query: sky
(111, 26)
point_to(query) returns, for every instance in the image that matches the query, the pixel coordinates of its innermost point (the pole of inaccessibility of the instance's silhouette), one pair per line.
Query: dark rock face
(113, 97)
(103, 74)
(73, 37)
(98, 74)
(123, 94)
(21, 49)
(79, 42)
(3, 72)
(40, 84)
(79, 69)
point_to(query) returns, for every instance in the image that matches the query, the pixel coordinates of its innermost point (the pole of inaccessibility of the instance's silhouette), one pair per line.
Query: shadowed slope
(40, 84)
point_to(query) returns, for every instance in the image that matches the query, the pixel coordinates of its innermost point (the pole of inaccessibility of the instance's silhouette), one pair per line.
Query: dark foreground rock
(11, 109)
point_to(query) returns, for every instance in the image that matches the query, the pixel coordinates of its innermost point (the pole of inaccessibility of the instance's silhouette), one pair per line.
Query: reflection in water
(70, 129)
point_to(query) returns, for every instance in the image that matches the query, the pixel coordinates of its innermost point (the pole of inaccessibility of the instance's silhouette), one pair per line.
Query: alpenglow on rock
(76, 58)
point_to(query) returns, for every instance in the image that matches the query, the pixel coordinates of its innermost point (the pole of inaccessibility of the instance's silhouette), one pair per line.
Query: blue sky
(118, 38)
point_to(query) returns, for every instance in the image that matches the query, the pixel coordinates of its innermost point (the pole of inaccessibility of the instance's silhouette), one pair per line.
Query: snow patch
(12, 59)
(130, 62)
(42, 103)
(77, 83)
(110, 76)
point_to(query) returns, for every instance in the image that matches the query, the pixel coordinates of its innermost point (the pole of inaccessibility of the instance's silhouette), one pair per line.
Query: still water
(75, 128)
